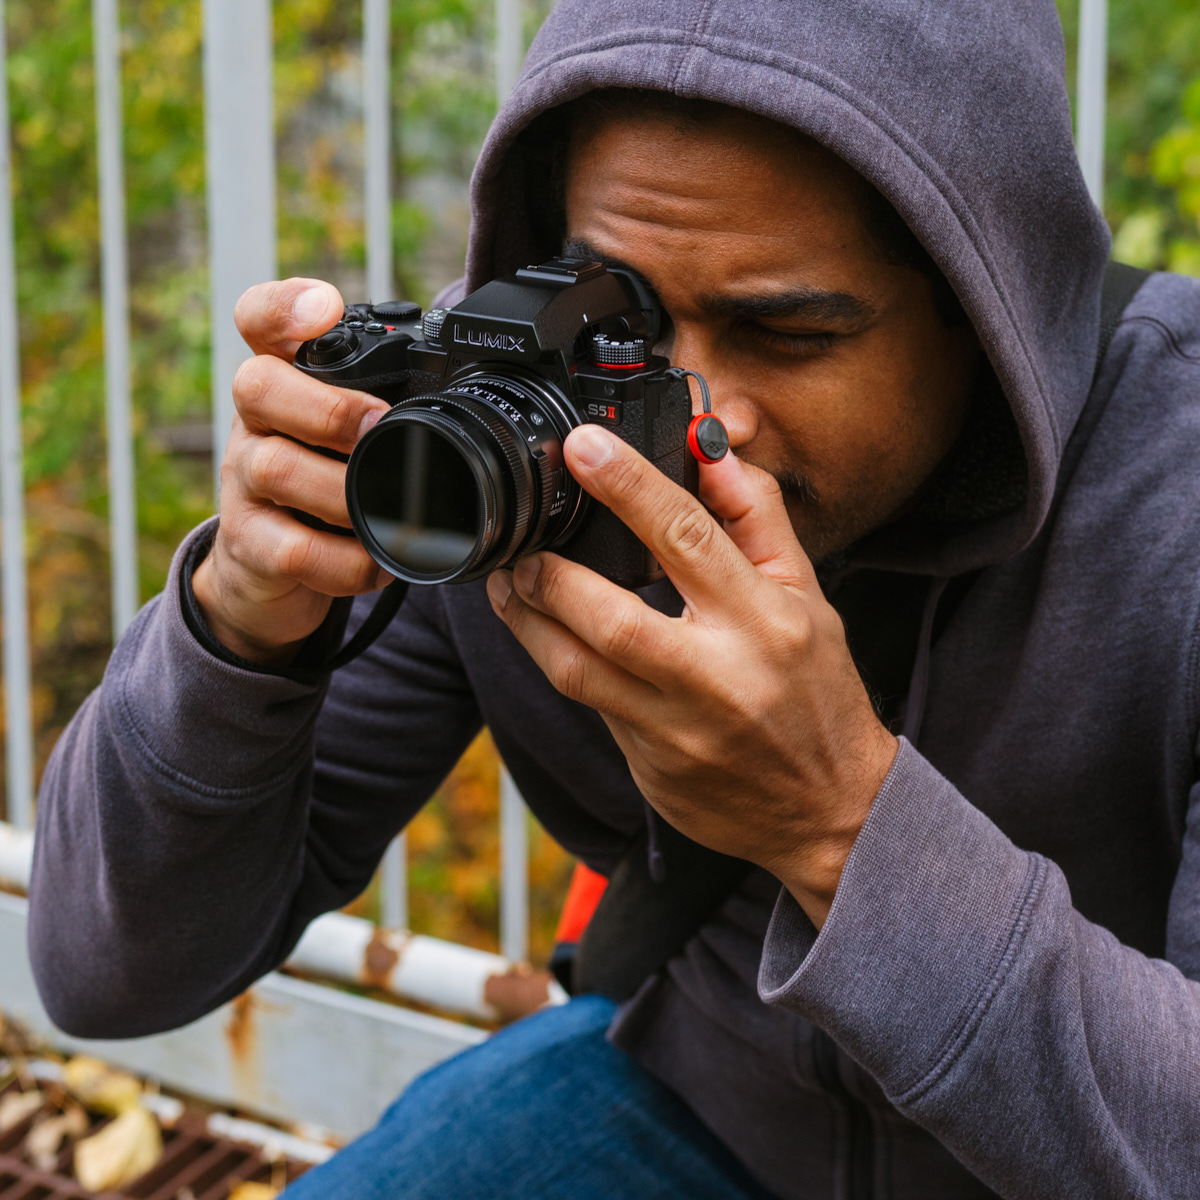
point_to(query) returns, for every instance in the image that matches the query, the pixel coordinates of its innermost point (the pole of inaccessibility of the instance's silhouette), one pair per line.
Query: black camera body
(465, 474)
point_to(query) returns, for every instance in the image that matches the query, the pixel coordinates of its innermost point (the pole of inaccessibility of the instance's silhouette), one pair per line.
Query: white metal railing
(240, 163)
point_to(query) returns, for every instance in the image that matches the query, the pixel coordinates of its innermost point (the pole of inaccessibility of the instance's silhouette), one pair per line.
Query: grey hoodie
(1002, 999)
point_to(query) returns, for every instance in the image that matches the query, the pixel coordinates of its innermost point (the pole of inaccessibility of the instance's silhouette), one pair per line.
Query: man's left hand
(744, 720)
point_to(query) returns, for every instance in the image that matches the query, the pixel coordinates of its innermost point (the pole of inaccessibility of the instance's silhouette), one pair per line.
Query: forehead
(733, 193)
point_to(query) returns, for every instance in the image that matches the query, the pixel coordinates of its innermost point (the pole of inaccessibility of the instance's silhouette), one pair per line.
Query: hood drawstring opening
(655, 861)
(918, 684)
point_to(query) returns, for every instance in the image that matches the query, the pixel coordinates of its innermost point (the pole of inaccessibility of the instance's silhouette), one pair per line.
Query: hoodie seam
(695, 39)
(839, 87)
(1167, 334)
(962, 1036)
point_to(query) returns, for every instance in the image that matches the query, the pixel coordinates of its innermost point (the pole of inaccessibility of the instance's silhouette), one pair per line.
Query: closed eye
(800, 345)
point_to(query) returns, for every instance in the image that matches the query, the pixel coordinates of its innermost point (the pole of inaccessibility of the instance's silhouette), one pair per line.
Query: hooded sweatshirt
(1003, 998)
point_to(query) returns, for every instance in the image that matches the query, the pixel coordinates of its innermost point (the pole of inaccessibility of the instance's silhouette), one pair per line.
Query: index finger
(274, 318)
(699, 556)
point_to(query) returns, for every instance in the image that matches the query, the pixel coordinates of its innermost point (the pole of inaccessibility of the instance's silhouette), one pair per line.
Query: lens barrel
(451, 485)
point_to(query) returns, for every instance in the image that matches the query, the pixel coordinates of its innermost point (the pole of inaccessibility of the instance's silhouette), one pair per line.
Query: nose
(690, 349)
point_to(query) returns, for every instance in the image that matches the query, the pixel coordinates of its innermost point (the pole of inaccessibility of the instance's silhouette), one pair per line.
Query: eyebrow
(814, 304)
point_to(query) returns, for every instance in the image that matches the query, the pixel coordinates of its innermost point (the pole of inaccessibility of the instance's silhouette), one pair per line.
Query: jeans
(544, 1109)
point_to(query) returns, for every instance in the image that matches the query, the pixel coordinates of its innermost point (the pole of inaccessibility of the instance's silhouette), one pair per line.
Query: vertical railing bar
(393, 885)
(377, 153)
(239, 144)
(514, 872)
(18, 718)
(114, 268)
(509, 47)
(514, 831)
(377, 140)
(1092, 94)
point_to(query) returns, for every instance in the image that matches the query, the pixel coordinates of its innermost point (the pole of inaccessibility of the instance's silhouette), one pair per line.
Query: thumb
(750, 503)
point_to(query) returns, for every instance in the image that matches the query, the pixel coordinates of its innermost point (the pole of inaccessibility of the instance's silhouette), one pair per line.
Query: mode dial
(331, 347)
(618, 352)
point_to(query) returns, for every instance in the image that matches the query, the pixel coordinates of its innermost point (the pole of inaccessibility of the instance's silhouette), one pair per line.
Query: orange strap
(587, 886)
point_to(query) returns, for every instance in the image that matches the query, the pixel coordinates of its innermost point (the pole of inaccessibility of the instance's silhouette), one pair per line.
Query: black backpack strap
(640, 925)
(1121, 283)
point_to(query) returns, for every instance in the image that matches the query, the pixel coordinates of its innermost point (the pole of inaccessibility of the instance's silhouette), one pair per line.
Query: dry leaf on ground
(253, 1191)
(124, 1150)
(100, 1086)
(45, 1139)
(16, 1106)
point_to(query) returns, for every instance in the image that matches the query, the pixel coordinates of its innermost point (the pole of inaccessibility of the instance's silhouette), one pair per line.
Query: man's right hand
(269, 580)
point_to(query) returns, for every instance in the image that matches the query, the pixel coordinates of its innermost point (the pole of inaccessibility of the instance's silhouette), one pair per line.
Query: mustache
(796, 486)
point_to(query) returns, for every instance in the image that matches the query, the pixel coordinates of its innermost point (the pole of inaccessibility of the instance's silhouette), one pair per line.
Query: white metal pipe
(18, 731)
(377, 143)
(509, 47)
(425, 969)
(114, 269)
(393, 884)
(239, 143)
(1091, 97)
(338, 946)
(514, 871)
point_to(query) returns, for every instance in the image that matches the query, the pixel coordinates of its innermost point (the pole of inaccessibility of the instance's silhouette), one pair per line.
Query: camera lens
(450, 486)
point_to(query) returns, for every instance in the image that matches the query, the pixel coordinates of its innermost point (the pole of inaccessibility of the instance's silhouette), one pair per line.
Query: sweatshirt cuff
(929, 914)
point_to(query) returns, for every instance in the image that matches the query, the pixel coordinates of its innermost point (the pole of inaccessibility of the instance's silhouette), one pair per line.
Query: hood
(957, 113)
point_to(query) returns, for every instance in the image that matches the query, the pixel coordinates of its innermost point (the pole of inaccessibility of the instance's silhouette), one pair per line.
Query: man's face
(828, 364)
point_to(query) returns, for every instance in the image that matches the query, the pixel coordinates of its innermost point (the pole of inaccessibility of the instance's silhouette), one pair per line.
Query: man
(975, 978)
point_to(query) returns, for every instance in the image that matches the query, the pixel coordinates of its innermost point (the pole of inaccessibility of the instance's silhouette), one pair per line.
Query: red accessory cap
(707, 439)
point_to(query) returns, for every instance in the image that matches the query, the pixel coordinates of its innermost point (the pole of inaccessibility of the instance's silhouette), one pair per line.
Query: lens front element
(428, 516)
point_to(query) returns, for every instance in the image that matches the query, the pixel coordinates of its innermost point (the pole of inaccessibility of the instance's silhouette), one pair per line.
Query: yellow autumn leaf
(100, 1086)
(253, 1191)
(124, 1150)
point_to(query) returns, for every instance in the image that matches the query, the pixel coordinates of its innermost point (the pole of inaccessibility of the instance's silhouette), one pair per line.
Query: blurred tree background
(443, 100)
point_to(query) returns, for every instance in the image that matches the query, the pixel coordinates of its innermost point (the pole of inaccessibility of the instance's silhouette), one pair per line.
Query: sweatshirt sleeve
(188, 828)
(1050, 1058)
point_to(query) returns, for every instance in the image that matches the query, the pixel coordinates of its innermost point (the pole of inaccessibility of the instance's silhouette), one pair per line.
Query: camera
(465, 474)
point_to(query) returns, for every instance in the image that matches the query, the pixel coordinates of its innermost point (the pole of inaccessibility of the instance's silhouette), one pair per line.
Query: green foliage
(1154, 59)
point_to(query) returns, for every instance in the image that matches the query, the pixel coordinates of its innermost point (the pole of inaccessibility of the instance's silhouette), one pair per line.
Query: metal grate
(195, 1165)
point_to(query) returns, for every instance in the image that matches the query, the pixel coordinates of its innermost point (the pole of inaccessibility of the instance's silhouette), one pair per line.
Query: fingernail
(526, 573)
(592, 445)
(369, 421)
(499, 588)
(309, 307)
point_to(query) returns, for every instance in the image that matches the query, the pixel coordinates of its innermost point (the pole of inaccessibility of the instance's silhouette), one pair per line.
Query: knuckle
(299, 554)
(621, 629)
(567, 674)
(252, 383)
(624, 474)
(340, 418)
(690, 531)
(271, 464)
